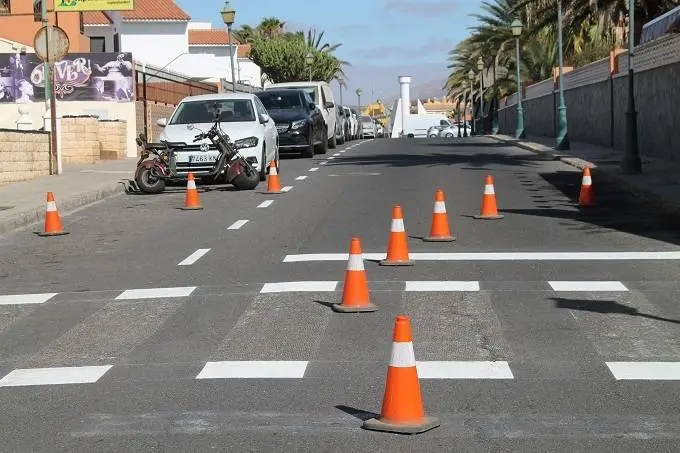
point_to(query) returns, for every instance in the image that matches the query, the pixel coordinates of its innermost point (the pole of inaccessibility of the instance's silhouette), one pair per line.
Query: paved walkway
(23, 203)
(659, 182)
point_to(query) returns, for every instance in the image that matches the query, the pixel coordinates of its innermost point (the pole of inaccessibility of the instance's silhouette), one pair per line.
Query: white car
(352, 122)
(242, 117)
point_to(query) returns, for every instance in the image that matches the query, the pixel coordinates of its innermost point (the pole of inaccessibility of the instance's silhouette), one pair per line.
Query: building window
(97, 44)
(4, 6)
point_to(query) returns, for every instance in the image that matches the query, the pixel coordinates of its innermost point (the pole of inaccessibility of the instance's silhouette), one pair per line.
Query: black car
(298, 120)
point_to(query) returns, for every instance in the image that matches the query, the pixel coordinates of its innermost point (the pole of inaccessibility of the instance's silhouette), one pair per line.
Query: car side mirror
(264, 119)
(312, 106)
(329, 105)
(162, 122)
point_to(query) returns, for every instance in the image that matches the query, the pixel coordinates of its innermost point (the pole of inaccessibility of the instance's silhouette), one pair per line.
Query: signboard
(101, 77)
(65, 6)
(58, 43)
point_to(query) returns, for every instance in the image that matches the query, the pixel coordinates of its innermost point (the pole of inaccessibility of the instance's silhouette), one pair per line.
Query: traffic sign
(64, 6)
(51, 44)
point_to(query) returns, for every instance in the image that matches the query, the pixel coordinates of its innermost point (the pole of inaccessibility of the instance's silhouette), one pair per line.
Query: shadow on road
(606, 307)
(425, 159)
(358, 413)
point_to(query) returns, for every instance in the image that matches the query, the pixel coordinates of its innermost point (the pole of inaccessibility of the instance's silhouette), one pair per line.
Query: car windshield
(279, 100)
(231, 111)
(309, 90)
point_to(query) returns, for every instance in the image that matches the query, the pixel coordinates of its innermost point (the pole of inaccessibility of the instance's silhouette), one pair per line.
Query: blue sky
(382, 39)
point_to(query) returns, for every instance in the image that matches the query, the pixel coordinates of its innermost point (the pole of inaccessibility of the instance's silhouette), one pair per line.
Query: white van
(323, 97)
(418, 125)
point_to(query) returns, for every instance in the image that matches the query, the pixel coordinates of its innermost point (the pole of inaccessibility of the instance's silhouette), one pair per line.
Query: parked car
(352, 126)
(380, 130)
(368, 127)
(339, 125)
(298, 120)
(418, 125)
(242, 117)
(322, 95)
(356, 117)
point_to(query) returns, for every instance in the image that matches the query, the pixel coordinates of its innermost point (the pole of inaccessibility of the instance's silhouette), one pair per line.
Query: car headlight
(249, 142)
(298, 124)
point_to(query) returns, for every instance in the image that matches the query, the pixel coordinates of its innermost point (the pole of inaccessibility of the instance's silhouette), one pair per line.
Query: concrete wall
(23, 155)
(596, 97)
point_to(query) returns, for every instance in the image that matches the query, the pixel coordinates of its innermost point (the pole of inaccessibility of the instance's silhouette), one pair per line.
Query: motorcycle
(157, 165)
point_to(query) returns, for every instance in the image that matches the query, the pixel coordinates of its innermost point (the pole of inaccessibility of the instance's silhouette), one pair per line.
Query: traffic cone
(397, 245)
(586, 197)
(402, 408)
(355, 297)
(489, 207)
(273, 183)
(191, 200)
(53, 225)
(440, 231)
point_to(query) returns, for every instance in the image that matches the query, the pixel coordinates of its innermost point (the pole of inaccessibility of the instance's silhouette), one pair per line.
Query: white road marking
(54, 376)
(464, 370)
(323, 163)
(332, 157)
(342, 151)
(25, 299)
(301, 178)
(336, 154)
(588, 286)
(253, 370)
(501, 256)
(286, 189)
(155, 293)
(191, 259)
(416, 286)
(645, 371)
(237, 225)
(293, 287)
(265, 204)
(314, 169)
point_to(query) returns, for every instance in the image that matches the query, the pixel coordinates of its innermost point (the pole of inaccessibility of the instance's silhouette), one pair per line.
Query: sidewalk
(23, 203)
(659, 183)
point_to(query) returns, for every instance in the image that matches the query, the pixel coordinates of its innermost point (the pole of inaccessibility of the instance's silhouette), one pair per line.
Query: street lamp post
(631, 163)
(229, 17)
(480, 67)
(458, 113)
(341, 82)
(495, 127)
(465, 134)
(358, 92)
(309, 59)
(562, 131)
(516, 27)
(471, 76)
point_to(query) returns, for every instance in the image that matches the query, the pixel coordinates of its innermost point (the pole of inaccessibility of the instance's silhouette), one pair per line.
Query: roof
(96, 18)
(244, 50)
(218, 96)
(658, 27)
(155, 11)
(210, 38)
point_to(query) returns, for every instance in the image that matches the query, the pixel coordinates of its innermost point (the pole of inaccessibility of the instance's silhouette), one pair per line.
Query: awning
(658, 27)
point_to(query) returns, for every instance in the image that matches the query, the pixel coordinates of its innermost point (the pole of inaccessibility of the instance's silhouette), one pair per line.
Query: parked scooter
(157, 164)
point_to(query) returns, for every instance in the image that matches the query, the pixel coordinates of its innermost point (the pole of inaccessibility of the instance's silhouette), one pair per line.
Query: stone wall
(112, 139)
(596, 98)
(86, 139)
(23, 155)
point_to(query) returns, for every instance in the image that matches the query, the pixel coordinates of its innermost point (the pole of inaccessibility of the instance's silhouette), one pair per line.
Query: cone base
(369, 307)
(489, 217)
(56, 233)
(439, 238)
(397, 263)
(193, 208)
(277, 192)
(427, 424)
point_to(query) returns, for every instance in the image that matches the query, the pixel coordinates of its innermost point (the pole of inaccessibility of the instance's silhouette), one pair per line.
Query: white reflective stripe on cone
(273, 171)
(439, 207)
(488, 190)
(587, 180)
(191, 184)
(355, 263)
(398, 226)
(51, 206)
(402, 355)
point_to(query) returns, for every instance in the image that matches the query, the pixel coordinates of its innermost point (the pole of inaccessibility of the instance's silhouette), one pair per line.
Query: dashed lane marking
(589, 286)
(265, 204)
(323, 163)
(286, 189)
(156, 293)
(314, 169)
(54, 376)
(464, 370)
(331, 158)
(424, 286)
(645, 371)
(301, 178)
(253, 370)
(25, 299)
(308, 286)
(237, 225)
(191, 259)
(336, 154)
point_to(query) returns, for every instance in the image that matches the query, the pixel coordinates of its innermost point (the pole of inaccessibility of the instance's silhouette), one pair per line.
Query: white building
(160, 33)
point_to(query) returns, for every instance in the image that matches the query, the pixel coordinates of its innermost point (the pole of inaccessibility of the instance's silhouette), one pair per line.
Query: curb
(666, 207)
(66, 206)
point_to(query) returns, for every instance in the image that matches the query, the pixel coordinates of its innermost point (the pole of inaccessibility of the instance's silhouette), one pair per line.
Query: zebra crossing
(285, 330)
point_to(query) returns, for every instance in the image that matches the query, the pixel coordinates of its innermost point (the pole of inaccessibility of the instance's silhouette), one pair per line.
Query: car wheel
(333, 142)
(263, 166)
(309, 151)
(323, 147)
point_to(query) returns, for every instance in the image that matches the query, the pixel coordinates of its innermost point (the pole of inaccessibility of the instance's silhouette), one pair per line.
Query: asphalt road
(145, 295)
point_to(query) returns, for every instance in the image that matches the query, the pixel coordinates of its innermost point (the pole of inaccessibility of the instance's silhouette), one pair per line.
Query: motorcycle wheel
(247, 180)
(147, 182)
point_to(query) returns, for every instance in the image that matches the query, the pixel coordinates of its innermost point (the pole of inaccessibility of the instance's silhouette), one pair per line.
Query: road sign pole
(53, 121)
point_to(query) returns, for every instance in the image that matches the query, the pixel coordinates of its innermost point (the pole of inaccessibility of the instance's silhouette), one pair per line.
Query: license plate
(202, 158)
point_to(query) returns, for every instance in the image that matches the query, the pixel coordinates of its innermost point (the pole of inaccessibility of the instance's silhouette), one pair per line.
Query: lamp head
(309, 59)
(516, 27)
(480, 64)
(228, 14)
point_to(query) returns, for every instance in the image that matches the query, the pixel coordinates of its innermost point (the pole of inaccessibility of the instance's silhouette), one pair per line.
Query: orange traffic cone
(402, 408)
(440, 231)
(355, 296)
(586, 197)
(273, 183)
(489, 207)
(52, 220)
(191, 200)
(397, 245)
